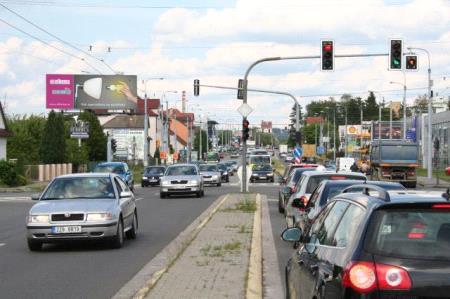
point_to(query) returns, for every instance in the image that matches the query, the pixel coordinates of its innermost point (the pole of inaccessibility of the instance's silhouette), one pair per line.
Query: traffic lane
(92, 270)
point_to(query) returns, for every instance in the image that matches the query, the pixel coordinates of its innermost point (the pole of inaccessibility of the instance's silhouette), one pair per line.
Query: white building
(4, 133)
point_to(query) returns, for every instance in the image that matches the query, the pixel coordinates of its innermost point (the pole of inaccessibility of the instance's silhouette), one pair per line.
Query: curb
(141, 284)
(254, 281)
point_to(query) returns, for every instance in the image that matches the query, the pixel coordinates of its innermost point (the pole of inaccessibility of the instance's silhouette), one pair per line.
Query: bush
(8, 174)
(21, 180)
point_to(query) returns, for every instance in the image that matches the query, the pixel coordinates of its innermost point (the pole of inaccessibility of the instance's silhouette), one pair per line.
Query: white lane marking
(15, 199)
(2, 244)
(139, 198)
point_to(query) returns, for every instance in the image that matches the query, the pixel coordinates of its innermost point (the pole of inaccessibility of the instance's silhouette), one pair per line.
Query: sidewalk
(216, 263)
(432, 183)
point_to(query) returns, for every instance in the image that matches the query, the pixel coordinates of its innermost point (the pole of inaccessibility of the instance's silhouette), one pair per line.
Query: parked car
(393, 245)
(325, 191)
(182, 179)
(288, 186)
(119, 168)
(290, 168)
(306, 185)
(224, 172)
(262, 172)
(152, 175)
(211, 174)
(230, 168)
(88, 206)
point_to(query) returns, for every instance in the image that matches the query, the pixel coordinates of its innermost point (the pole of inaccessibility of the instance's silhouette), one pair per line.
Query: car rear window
(410, 233)
(314, 181)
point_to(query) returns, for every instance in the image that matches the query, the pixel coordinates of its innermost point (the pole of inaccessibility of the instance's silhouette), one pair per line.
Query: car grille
(67, 217)
(178, 182)
(207, 176)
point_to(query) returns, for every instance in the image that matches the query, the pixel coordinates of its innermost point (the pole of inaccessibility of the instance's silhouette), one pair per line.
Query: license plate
(153, 180)
(263, 177)
(180, 187)
(66, 229)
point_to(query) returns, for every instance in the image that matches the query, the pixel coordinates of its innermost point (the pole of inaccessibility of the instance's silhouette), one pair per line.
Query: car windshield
(262, 168)
(207, 167)
(82, 187)
(155, 170)
(314, 181)
(181, 170)
(410, 233)
(118, 169)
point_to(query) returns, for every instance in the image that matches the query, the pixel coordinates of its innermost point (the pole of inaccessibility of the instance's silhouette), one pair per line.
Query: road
(87, 270)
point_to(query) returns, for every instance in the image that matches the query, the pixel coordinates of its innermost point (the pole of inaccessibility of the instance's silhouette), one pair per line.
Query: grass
(137, 173)
(442, 176)
(247, 206)
(220, 250)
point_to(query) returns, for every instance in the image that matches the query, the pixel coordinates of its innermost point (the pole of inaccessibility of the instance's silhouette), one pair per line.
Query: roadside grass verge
(442, 176)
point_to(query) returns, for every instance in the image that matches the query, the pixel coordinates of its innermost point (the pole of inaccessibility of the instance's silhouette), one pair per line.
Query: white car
(306, 185)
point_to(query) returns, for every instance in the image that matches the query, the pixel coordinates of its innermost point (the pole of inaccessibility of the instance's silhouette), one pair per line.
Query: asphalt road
(91, 270)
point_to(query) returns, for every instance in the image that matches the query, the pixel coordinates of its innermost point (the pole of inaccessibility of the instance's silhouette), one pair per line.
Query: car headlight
(144, 177)
(255, 174)
(225, 173)
(38, 218)
(215, 177)
(165, 183)
(270, 174)
(193, 182)
(99, 216)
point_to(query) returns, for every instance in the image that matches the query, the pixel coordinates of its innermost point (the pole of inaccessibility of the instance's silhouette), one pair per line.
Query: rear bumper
(88, 232)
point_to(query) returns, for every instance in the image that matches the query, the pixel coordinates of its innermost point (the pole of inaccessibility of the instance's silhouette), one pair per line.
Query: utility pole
(345, 134)
(390, 120)
(201, 143)
(334, 135)
(145, 130)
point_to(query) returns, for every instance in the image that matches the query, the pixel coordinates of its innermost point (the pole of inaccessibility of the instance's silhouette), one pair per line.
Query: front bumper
(44, 233)
(261, 178)
(211, 181)
(180, 189)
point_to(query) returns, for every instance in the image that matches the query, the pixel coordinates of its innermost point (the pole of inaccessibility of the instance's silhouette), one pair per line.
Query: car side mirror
(125, 194)
(35, 196)
(292, 234)
(298, 203)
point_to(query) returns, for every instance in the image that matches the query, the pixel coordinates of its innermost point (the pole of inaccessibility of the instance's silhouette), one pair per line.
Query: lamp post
(144, 82)
(430, 113)
(404, 103)
(380, 106)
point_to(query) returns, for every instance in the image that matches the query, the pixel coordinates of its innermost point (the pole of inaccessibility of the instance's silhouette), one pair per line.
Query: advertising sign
(80, 130)
(130, 143)
(113, 92)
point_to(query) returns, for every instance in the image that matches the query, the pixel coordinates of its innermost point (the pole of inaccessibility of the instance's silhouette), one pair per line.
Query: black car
(152, 175)
(287, 187)
(230, 167)
(262, 172)
(224, 172)
(328, 189)
(393, 245)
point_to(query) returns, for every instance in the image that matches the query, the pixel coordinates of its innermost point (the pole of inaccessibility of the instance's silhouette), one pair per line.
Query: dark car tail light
(365, 277)
(441, 206)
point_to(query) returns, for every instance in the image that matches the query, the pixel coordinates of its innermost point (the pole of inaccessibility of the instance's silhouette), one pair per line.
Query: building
(266, 126)
(4, 133)
(440, 123)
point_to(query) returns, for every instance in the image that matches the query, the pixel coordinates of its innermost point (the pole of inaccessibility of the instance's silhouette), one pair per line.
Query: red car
(447, 171)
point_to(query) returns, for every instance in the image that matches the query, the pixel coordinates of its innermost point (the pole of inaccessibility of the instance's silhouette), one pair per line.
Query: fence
(46, 172)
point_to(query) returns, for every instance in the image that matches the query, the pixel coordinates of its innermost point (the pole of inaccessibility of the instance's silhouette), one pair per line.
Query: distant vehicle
(259, 152)
(119, 168)
(260, 159)
(212, 157)
(88, 206)
(182, 179)
(152, 175)
(344, 164)
(224, 172)
(234, 155)
(232, 166)
(211, 174)
(447, 171)
(394, 161)
(262, 172)
(392, 245)
(283, 148)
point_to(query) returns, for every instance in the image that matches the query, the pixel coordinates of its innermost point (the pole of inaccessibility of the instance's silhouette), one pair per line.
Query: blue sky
(215, 41)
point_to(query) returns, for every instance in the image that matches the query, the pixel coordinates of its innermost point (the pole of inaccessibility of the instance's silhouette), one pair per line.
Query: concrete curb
(254, 282)
(272, 278)
(141, 284)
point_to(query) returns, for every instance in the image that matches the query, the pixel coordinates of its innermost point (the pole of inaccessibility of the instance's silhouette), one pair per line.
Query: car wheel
(203, 193)
(198, 194)
(280, 206)
(219, 184)
(131, 234)
(117, 241)
(34, 245)
(228, 179)
(142, 185)
(162, 195)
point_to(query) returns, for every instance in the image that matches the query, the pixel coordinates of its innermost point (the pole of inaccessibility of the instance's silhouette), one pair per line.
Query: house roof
(152, 104)
(181, 129)
(4, 132)
(180, 116)
(124, 121)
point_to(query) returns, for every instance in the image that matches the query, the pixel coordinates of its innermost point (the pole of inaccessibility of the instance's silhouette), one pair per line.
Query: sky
(215, 42)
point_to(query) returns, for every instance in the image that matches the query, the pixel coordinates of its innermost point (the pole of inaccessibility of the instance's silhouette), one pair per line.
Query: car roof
(86, 175)
(182, 164)
(327, 172)
(111, 163)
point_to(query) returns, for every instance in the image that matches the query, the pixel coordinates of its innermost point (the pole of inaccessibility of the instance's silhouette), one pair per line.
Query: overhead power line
(56, 37)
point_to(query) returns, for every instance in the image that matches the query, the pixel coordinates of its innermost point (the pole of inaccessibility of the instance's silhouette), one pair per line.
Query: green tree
(97, 141)
(371, 108)
(197, 143)
(292, 126)
(75, 154)
(53, 141)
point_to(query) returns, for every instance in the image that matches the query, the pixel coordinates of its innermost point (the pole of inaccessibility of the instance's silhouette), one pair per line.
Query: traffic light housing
(196, 87)
(113, 145)
(245, 130)
(327, 55)
(395, 54)
(411, 62)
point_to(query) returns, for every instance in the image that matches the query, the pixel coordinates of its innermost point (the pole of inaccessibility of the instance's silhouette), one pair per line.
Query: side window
(122, 186)
(319, 220)
(325, 233)
(314, 196)
(347, 227)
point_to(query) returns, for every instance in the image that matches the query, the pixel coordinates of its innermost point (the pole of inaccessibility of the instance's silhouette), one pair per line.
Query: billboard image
(112, 92)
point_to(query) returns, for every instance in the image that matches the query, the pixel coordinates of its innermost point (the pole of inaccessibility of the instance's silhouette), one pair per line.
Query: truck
(395, 161)
(283, 148)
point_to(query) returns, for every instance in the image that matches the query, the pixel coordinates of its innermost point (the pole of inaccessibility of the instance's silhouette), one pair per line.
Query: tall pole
(145, 131)
(404, 109)
(207, 135)
(167, 130)
(334, 135)
(175, 131)
(361, 132)
(345, 133)
(201, 143)
(390, 120)
(297, 123)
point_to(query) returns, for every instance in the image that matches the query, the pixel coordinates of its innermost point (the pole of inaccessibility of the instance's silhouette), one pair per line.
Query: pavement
(425, 182)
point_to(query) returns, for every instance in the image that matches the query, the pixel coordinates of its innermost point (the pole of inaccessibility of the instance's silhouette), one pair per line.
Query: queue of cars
(355, 238)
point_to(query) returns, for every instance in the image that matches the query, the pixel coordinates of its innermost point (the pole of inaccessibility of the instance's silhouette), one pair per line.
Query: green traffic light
(396, 62)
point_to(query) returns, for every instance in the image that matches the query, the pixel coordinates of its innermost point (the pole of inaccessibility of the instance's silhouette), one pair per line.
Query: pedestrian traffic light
(411, 62)
(395, 54)
(196, 87)
(113, 145)
(327, 55)
(245, 130)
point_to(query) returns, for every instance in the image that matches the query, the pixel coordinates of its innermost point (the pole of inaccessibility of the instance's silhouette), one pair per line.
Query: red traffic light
(245, 123)
(327, 47)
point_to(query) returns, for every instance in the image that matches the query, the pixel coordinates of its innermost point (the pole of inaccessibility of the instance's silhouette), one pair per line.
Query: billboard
(112, 92)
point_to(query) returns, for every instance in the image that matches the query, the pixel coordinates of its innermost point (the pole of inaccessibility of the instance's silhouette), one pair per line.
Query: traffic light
(196, 87)
(245, 130)
(113, 145)
(240, 94)
(395, 54)
(411, 62)
(327, 55)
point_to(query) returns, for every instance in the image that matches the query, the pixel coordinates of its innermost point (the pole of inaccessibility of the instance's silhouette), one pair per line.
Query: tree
(53, 141)
(97, 141)
(157, 156)
(292, 126)
(197, 142)
(371, 108)
(75, 154)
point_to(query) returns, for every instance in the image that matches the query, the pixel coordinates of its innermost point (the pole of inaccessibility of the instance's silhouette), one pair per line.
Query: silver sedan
(211, 174)
(182, 179)
(83, 207)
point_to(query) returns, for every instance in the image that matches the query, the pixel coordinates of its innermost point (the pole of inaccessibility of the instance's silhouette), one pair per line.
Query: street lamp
(404, 104)
(166, 128)
(144, 82)
(429, 163)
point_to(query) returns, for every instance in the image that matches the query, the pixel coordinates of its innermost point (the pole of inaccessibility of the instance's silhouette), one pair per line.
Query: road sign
(162, 155)
(320, 150)
(80, 130)
(245, 110)
(240, 94)
(298, 152)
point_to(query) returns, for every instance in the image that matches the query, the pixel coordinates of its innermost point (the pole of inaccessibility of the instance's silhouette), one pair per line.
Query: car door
(127, 204)
(318, 248)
